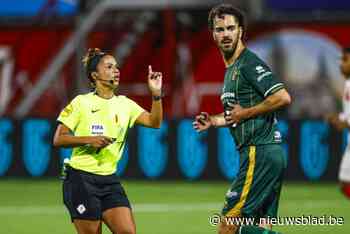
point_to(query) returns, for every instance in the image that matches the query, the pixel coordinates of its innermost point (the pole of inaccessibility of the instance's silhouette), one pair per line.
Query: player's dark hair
(226, 9)
(346, 50)
(90, 61)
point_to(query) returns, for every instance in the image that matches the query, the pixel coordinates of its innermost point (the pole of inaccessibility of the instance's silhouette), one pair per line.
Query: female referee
(95, 124)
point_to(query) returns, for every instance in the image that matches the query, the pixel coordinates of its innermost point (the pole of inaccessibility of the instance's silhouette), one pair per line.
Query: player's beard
(228, 53)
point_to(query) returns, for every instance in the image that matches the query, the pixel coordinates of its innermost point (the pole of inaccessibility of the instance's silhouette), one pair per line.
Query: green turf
(35, 206)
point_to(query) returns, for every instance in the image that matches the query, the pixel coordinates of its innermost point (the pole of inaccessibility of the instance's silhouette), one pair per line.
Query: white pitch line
(137, 208)
(163, 207)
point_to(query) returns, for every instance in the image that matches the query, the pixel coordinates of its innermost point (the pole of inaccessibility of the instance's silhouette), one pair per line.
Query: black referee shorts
(88, 195)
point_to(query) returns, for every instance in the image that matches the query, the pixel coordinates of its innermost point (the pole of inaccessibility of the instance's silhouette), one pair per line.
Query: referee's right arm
(64, 138)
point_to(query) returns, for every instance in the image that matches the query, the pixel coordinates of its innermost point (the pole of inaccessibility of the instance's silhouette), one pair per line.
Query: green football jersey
(248, 81)
(91, 115)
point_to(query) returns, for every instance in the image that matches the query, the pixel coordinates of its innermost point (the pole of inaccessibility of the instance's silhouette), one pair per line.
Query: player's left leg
(224, 228)
(260, 173)
(270, 208)
(120, 220)
(255, 230)
(233, 229)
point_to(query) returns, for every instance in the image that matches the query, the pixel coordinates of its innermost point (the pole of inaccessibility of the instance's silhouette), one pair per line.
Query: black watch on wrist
(156, 98)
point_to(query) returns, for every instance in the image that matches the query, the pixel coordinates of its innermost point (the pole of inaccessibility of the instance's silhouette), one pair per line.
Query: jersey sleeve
(135, 111)
(70, 115)
(262, 79)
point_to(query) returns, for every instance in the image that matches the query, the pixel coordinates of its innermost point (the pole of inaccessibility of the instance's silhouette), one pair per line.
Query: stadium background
(174, 176)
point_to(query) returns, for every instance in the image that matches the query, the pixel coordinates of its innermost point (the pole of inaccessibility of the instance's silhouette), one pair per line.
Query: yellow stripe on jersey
(236, 210)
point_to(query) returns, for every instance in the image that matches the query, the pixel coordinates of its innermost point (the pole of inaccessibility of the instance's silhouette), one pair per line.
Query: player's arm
(203, 121)
(64, 138)
(218, 120)
(154, 118)
(339, 121)
(277, 100)
(264, 82)
(273, 102)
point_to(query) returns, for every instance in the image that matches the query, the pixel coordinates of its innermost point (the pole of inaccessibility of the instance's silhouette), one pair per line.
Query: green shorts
(256, 190)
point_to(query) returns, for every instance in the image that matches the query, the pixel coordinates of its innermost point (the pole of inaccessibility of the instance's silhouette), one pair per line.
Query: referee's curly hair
(90, 61)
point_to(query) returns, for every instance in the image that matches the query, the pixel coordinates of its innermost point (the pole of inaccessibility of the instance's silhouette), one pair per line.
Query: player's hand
(99, 141)
(333, 119)
(202, 122)
(155, 82)
(235, 114)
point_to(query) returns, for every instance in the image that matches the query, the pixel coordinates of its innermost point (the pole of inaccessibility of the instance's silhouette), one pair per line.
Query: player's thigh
(268, 210)
(120, 220)
(237, 195)
(268, 177)
(88, 226)
(259, 176)
(271, 204)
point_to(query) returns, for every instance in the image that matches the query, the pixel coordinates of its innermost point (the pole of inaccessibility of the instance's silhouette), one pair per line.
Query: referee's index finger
(150, 69)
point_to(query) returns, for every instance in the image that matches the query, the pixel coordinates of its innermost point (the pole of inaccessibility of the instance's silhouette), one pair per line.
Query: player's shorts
(256, 190)
(88, 195)
(344, 171)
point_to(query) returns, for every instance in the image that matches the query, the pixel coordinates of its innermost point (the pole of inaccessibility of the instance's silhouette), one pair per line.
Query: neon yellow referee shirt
(91, 115)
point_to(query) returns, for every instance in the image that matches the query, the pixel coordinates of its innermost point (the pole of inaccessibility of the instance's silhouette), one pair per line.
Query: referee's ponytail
(90, 61)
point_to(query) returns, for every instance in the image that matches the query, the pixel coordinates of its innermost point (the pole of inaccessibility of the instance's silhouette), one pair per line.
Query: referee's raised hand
(155, 81)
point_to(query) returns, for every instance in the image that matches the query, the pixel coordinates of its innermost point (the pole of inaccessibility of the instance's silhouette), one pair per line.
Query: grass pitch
(34, 206)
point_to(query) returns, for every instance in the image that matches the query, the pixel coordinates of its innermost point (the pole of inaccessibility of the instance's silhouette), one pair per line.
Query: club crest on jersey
(97, 129)
(234, 74)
